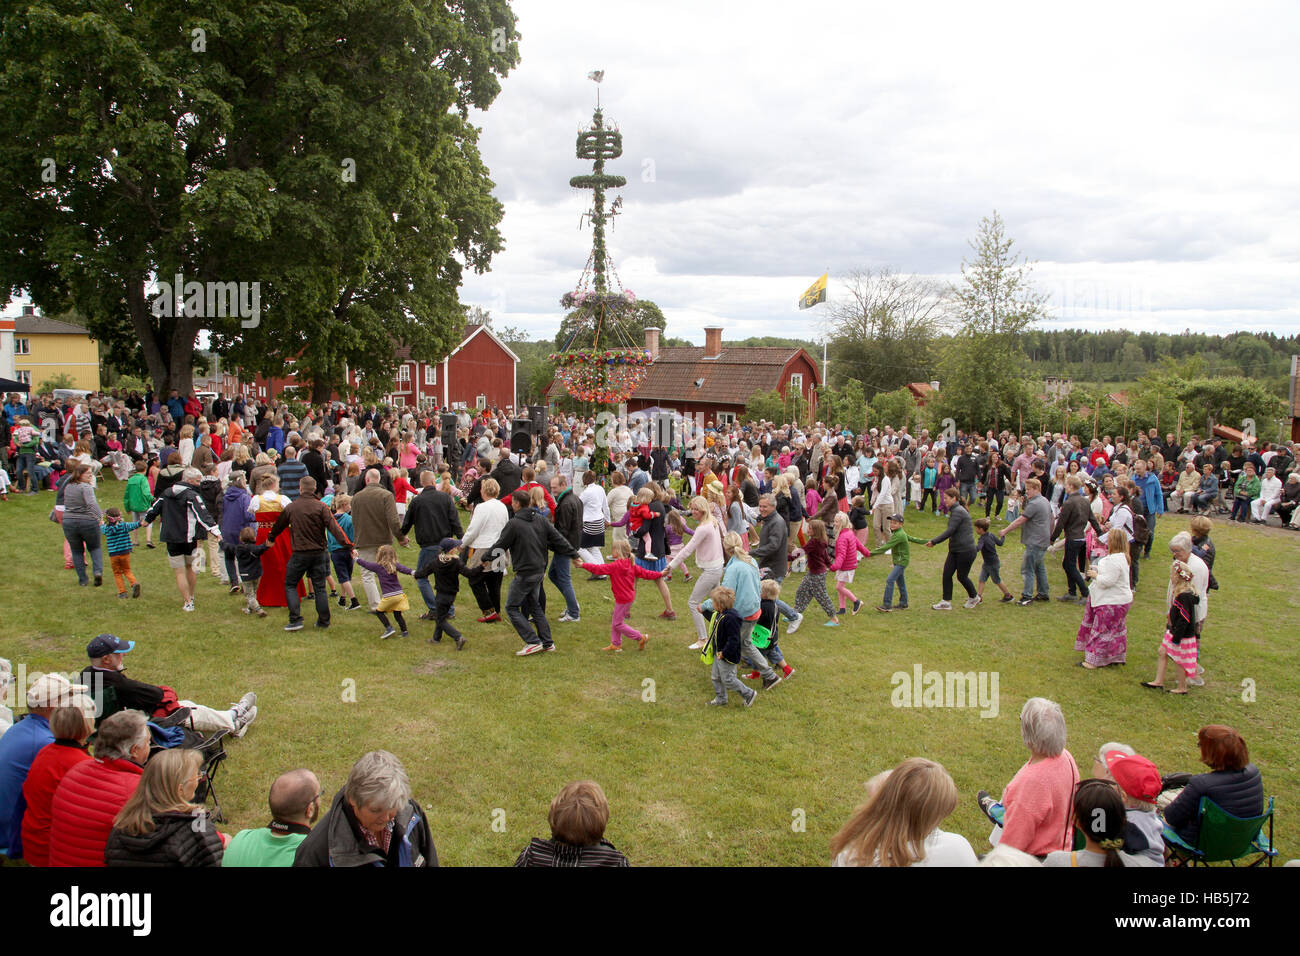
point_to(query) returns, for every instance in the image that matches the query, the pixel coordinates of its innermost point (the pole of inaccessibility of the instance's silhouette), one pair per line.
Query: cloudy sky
(1145, 155)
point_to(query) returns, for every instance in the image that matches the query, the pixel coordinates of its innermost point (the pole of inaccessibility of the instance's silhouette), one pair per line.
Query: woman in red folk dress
(266, 508)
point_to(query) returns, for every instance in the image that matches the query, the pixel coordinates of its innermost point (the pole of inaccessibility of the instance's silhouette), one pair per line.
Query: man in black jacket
(568, 522)
(433, 515)
(528, 537)
(183, 514)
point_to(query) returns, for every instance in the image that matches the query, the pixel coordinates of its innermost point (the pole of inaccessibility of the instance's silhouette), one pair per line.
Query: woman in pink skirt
(1103, 635)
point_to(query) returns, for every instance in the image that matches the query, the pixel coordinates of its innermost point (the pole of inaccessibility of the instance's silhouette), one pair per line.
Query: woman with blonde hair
(1103, 633)
(899, 823)
(160, 825)
(486, 524)
(706, 545)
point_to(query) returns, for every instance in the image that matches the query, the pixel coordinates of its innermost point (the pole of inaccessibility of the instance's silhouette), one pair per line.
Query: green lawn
(488, 738)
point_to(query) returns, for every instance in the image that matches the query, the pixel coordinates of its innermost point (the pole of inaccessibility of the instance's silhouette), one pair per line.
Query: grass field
(488, 738)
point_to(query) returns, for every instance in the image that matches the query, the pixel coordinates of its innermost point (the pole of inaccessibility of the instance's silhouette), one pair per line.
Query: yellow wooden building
(44, 347)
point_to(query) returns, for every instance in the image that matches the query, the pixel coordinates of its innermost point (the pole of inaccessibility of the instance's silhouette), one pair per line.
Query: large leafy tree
(996, 303)
(322, 150)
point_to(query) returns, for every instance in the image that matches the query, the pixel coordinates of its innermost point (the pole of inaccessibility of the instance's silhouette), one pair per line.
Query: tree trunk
(168, 346)
(321, 392)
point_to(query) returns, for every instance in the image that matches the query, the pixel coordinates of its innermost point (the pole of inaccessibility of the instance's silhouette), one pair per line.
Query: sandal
(1180, 693)
(1150, 686)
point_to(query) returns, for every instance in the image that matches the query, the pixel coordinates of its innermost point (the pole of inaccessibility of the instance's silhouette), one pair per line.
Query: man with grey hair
(1180, 546)
(374, 524)
(183, 515)
(90, 795)
(372, 822)
(1036, 809)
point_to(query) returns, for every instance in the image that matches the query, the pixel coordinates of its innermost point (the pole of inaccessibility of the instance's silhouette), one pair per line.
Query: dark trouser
(428, 553)
(1151, 534)
(930, 495)
(521, 605)
(442, 604)
(487, 591)
(1240, 508)
(559, 575)
(958, 562)
(988, 500)
(1134, 553)
(85, 534)
(1075, 556)
(232, 563)
(316, 566)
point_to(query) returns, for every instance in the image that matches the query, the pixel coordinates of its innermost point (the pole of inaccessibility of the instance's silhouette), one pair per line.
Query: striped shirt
(118, 536)
(553, 853)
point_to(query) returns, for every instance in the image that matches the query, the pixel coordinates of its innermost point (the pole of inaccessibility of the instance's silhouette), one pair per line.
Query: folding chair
(1224, 837)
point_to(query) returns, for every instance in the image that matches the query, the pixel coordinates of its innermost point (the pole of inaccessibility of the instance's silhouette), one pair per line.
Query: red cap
(1136, 775)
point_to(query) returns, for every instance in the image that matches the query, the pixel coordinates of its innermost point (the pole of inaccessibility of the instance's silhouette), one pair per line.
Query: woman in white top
(1103, 635)
(882, 506)
(899, 823)
(617, 499)
(595, 515)
(706, 545)
(485, 527)
(186, 445)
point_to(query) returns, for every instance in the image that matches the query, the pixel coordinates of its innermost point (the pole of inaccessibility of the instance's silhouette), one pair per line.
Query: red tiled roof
(729, 379)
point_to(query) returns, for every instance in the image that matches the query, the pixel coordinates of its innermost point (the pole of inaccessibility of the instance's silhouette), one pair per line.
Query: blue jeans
(968, 491)
(559, 575)
(785, 610)
(522, 604)
(428, 553)
(1031, 568)
(25, 463)
(896, 577)
(316, 566)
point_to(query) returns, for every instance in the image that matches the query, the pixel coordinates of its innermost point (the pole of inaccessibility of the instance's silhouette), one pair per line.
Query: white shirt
(1200, 584)
(1111, 584)
(941, 849)
(1270, 489)
(485, 527)
(594, 504)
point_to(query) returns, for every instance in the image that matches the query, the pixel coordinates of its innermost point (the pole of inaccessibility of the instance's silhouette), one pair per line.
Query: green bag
(707, 655)
(761, 636)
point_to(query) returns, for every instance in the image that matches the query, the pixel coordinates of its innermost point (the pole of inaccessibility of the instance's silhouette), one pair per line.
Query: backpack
(1141, 533)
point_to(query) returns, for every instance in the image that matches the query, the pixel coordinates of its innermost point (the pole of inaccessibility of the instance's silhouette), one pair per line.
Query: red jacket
(48, 769)
(622, 577)
(550, 502)
(85, 804)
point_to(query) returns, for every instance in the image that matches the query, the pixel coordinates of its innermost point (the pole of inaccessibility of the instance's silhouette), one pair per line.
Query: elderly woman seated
(1286, 508)
(1234, 783)
(1036, 808)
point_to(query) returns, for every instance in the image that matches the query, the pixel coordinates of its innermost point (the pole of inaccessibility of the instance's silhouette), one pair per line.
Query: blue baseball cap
(106, 644)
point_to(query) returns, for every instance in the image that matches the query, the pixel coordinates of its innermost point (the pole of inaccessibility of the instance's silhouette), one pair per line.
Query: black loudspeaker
(663, 431)
(538, 414)
(521, 435)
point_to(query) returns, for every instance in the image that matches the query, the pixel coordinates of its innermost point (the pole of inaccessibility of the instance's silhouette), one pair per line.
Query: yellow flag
(816, 293)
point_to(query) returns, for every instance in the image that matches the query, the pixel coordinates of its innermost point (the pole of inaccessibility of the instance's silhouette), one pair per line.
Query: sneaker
(354, 605)
(970, 603)
(716, 703)
(1006, 598)
(900, 607)
(245, 703)
(1041, 597)
(234, 589)
(669, 615)
(294, 626)
(550, 648)
(697, 646)
(883, 608)
(246, 610)
(772, 681)
(121, 594)
(565, 619)
(753, 696)
(942, 606)
(242, 725)
(831, 624)
(406, 634)
(99, 580)
(857, 606)
(609, 647)
(842, 611)
(645, 639)
(789, 672)
(1068, 599)
(433, 640)
(428, 616)
(188, 606)
(489, 618)
(343, 602)
(984, 801)
(322, 624)
(529, 649)
(460, 643)
(1196, 682)
(1025, 601)
(388, 633)
(794, 624)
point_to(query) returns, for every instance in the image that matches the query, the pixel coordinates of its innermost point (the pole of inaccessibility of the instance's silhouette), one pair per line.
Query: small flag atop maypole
(815, 293)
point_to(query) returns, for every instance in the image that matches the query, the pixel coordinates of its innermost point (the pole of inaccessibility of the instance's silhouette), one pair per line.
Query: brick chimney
(712, 342)
(652, 343)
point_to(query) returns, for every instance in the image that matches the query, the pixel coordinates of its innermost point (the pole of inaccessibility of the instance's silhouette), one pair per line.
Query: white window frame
(404, 373)
(431, 375)
(24, 376)
(480, 402)
(22, 346)
(796, 381)
(724, 418)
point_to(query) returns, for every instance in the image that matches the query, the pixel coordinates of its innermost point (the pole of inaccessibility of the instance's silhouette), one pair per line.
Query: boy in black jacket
(446, 570)
(249, 555)
(724, 628)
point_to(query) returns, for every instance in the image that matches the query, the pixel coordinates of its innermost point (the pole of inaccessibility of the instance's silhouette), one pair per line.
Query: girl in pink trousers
(623, 572)
(847, 549)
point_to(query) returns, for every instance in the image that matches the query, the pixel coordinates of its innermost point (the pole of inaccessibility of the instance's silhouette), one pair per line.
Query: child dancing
(623, 572)
(391, 596)
(813, 585)
(847, 549)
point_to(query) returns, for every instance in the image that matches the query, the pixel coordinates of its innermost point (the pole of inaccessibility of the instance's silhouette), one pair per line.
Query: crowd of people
(282, 508)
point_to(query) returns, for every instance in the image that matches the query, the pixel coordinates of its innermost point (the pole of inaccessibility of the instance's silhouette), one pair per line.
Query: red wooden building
(717, 381)
(480, 372)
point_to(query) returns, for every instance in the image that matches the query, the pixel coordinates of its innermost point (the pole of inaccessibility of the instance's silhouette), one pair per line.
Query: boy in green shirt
(897, 545)
(136, 500)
